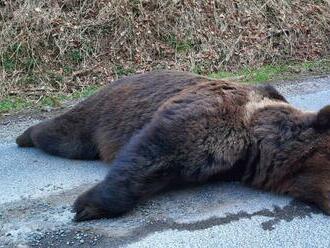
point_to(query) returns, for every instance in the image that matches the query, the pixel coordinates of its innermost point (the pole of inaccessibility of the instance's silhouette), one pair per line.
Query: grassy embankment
(51, 51)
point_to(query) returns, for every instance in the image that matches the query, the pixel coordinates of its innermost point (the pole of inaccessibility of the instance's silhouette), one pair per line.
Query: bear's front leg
(142, 168)
(126, 184)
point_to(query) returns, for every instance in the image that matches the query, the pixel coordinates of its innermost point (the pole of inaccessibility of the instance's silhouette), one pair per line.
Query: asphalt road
(36, 192)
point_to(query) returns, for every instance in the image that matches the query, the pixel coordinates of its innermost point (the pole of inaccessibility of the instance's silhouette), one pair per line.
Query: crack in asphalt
(288, 213)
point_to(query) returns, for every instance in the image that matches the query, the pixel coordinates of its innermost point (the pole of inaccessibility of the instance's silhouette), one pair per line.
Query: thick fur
(165, 128)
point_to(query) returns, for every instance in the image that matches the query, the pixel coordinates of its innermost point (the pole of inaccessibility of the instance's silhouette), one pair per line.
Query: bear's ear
(270, 92)
(322, 121)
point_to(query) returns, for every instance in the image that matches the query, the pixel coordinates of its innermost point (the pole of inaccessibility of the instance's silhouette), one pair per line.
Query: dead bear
(165, 128)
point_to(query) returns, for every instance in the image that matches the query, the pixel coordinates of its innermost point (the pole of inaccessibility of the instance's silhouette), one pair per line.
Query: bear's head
(311, 180)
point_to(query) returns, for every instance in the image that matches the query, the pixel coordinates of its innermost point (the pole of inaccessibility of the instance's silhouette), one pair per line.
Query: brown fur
(165, 128)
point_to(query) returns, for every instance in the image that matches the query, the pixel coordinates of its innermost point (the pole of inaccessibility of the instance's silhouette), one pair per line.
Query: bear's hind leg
(60, 137)
(24, 140)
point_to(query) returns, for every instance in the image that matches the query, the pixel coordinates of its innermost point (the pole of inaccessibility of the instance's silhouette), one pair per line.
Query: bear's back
(126, 105)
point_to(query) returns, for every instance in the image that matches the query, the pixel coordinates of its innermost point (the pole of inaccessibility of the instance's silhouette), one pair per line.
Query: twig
(84, 71)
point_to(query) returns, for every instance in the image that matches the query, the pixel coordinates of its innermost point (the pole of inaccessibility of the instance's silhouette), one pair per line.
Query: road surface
(37, 190)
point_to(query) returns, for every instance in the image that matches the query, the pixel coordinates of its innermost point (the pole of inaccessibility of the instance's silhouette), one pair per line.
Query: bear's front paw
(90, 205)
(86, 212)
(102, 201)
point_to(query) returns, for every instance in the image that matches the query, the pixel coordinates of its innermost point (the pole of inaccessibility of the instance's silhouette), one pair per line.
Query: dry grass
(65, 45)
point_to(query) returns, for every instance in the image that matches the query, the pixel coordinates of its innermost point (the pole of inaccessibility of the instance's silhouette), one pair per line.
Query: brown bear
(167, 128)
